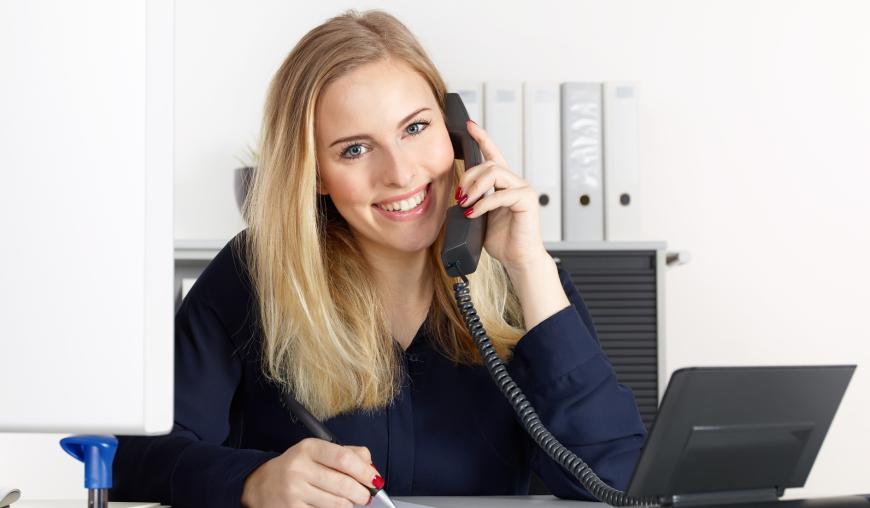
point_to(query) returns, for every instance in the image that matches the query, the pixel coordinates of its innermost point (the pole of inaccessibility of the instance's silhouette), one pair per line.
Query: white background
(754, 126)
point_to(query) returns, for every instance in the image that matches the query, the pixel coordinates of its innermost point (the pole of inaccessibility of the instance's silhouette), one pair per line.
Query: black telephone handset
(463, 241)
(463, 237)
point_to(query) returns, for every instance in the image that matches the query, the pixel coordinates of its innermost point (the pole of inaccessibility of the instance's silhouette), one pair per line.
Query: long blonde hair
(326, 334)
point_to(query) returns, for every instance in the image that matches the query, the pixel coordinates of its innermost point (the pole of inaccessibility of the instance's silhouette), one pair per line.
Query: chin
(415, 245)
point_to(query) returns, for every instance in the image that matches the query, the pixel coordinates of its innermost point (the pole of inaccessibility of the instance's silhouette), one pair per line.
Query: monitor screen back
(86, 258)
(739, 429)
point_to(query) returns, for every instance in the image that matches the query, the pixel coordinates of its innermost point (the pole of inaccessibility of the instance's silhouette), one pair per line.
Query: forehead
(375, 94)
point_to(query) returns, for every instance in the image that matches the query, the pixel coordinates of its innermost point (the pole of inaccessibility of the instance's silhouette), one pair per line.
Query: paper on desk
(61, 503)
(9, 496)
(376, 503)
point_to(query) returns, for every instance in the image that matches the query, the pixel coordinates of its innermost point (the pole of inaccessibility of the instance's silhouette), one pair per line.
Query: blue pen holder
(97, 452)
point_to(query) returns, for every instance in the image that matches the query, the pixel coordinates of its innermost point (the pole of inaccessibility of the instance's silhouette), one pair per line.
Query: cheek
(346, 190)
(440, 154)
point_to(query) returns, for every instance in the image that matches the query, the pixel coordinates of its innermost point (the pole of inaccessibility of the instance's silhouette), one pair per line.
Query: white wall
(754, 118)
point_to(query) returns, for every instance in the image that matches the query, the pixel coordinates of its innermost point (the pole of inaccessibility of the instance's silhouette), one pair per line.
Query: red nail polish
(370, 501)
(458, 193)
(378, 481)
(463, 199)
(468, 212)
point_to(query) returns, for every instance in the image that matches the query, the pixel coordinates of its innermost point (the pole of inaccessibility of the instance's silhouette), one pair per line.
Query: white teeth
(406, 204)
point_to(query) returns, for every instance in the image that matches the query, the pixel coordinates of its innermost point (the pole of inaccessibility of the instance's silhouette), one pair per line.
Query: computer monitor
(86, 257)
(738, 434)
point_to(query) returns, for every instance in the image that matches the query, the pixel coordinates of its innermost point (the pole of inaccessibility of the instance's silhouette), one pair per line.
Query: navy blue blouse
(449, 432)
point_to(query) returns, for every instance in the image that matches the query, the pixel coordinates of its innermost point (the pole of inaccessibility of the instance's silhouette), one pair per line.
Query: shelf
(198, 250)
(205, 249)
(602, 245)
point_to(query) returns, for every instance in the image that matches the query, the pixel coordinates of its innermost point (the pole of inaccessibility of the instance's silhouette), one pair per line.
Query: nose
(398, 169)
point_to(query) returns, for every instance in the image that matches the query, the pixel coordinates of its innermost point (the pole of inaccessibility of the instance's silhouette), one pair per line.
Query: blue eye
(353, 151)
(422, 126)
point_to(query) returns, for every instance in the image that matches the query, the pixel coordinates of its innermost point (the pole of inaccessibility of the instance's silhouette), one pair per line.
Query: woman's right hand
(313, 472)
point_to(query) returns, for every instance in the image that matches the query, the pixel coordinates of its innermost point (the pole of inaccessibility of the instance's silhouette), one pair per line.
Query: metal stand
(98, 498)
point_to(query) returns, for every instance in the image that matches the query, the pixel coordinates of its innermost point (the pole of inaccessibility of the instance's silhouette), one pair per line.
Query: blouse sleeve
(192, 466)
(560, 366)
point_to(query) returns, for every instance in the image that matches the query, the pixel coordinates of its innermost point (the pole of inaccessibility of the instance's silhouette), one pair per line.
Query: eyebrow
(366, 136)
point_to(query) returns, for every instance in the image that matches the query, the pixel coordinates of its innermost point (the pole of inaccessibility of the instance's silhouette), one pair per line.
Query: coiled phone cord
(529, 417)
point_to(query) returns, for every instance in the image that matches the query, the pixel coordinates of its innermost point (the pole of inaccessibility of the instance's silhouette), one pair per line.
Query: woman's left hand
(513, 229)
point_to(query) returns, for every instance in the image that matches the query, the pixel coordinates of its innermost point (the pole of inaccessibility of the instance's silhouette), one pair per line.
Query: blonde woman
(335, 293)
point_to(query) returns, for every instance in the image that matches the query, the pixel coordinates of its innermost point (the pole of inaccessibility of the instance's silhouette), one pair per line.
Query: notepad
(8, 496)
(376, 503)
(64, 503)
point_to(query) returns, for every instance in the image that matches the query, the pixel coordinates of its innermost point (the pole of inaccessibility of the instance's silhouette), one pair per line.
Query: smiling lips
(408, 208)
(406, 204)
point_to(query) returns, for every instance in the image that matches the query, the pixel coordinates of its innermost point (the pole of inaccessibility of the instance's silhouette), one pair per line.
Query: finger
(485, 164)
(487, 146)
(480, 182)
(521, 199)
(469, 177)
(337, 484)
(344, 460)
(363, 453)
(315, 495)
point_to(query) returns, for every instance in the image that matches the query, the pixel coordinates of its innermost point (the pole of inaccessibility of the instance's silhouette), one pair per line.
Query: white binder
(543, 153)
(503, 119)
(622, 193)
(471, 93)
(582, 183)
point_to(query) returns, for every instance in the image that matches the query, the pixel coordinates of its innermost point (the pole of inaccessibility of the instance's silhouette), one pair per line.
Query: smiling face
(384, 156)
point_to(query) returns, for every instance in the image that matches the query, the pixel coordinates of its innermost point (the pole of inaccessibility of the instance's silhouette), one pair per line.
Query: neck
(403, 278)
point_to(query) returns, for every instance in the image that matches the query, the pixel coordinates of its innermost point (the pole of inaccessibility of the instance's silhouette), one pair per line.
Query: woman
(335, 293)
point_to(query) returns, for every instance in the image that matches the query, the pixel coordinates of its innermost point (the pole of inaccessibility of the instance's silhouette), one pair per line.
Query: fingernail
(468, 212)
(472, 121)
(378, 481)
(458, 193)
(463, 199)
(370, 501)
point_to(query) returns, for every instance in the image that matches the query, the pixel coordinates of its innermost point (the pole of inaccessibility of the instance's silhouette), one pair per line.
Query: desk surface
(497, 501)
(854, 501)
(435, 502)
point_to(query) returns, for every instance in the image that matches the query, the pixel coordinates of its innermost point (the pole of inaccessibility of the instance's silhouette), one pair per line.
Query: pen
(321, 432)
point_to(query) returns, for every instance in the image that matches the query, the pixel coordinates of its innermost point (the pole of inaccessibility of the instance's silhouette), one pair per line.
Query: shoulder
(225, 286)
